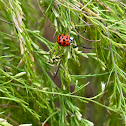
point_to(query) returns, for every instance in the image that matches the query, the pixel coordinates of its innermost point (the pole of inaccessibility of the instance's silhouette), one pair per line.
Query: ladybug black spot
(64, 43)
(59, 43)
(59, 39)
(63, 39)
(64, 34)
(67, 44)
(66, 38)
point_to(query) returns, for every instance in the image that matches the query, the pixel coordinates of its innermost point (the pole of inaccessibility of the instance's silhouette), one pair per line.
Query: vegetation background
(89, 88)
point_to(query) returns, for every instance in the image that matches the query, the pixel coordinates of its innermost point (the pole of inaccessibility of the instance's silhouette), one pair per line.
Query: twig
(8, 117)
(81, 35)
(83, 47)
(44, 14)
(57, 70)
(1, 106)
(6, 21)
(102, 4)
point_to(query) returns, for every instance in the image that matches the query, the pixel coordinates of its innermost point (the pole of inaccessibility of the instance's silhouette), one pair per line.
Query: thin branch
(1, 106)
(8, 117)
(102, 4)
(83, 47)
(81, 35)
(44, 14)
(6, 21)
(57, 70)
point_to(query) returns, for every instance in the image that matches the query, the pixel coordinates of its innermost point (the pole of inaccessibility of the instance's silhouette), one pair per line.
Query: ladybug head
(71, 40)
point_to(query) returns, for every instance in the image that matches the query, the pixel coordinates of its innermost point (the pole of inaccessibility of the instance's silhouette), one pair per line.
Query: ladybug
(65, 40)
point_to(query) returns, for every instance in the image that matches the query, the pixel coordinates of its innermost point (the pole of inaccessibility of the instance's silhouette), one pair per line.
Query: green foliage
(29, 93)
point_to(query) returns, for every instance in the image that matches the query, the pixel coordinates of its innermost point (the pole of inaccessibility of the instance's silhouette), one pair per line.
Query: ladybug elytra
(65, 40)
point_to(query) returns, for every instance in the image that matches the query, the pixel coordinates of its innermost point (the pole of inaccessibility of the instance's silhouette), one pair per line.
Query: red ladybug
(65, 40)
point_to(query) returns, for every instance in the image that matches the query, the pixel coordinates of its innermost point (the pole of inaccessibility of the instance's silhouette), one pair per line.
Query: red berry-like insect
(65, 40)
